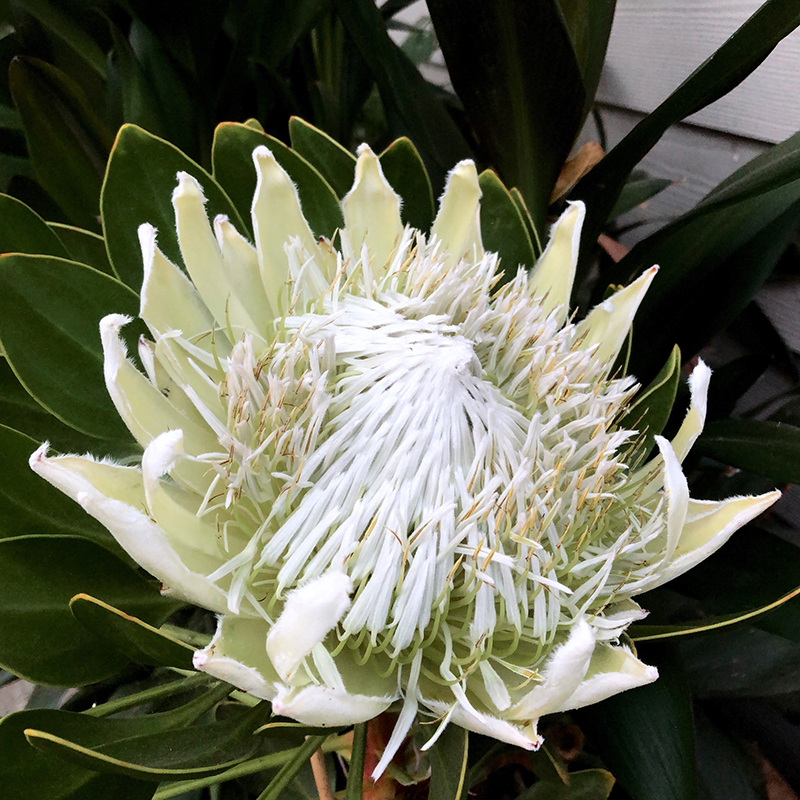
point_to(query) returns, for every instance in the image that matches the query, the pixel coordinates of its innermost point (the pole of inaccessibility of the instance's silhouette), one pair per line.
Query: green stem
(193, 638)
(355, 778)
(290, 770)
(156, 693)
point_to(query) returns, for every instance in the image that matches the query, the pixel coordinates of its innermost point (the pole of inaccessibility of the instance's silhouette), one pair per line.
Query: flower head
(396, 481)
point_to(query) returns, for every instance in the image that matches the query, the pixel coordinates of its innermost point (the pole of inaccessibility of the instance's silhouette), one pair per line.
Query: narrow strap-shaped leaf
(232, 156)
(404, 169)
(291, 768)
(141, 642)
(715, 77)
(497, 55)
(334, 163)
(448, 757)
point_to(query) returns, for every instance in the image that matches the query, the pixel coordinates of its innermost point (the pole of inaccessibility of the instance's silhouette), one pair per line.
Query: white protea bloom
(396, 483)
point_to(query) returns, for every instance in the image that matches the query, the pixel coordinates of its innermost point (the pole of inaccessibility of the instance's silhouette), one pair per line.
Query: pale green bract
(397, 484)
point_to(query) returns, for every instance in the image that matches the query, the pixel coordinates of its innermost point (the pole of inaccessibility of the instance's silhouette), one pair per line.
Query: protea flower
(396, 483)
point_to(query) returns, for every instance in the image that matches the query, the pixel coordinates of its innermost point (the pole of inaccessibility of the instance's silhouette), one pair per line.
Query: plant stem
(321, 776)
(156, 693)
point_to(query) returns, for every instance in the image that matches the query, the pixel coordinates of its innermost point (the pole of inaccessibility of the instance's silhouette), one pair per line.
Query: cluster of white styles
(398, 483)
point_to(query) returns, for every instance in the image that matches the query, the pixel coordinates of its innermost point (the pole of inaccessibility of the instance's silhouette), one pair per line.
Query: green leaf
(404, 169)
(84, 246)
(589, 25)
(254, 124)
(22, 230)
(638, 189)
(39, 639)
(141, 642)
(715, 77)
(767, 448)
(27, 774)
(503, 229)
(698, 251)
(335, 164)
(232, 156)
(515, 70)
(645, 736)
(355, 776)
(412, 107)
(68, 143)
(50, 310)
(448, 758)
(650, 411)
(141, 176)
(647, 633)
(289, 771)
(31, 505)
(526, 218)
(69, 30)
(193, 752)
(588, 784)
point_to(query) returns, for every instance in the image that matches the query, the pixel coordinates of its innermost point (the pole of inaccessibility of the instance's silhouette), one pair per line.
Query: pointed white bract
(398, 485)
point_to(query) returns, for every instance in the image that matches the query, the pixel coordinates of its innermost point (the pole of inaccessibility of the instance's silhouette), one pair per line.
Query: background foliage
(724, 719)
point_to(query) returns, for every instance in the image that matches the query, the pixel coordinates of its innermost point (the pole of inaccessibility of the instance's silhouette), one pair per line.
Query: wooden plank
(656, 44)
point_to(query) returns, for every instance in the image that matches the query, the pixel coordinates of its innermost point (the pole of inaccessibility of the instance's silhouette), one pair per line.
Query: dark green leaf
(526, 218)
(651, 408)
(503, 229)
(84, 246)
(638, 189)
(50, 309)
(289, 771)
(720, 73)
(732, 381)
(232, 156)
(448, 758)
(645, 736)
(141, 176)
(588, 784)
(39, 638)
(767, 448)
(515, 70)
(27, 774)
(193, 752)
(406, 173)
(139, 641)
(334, 163)
(412, 108)
(355, 777)
(30, 504)
(22, 230)
(67, 141)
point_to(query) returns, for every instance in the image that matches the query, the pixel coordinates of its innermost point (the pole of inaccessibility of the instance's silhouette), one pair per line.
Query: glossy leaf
(588, 784)
(176, 754)
(503, 229)
(404, 169)
(448, 758)
(651, 408)
(645, 736)
(715, 77)
(647, 633)
(68, 142)
(141, 176)
(767, 448)
(697, 251)
(139, 641)
(22, 230)
(39, 639)
(638, 189)
(83, 246)
(27, 774)
(50, 311)
(232, 156)
(497, 55)
(334, 163)
(289, 771)
(412, 107)
(30, 505)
